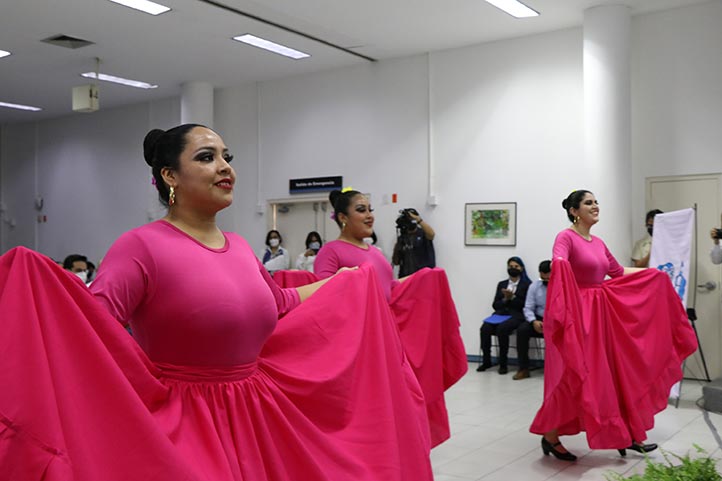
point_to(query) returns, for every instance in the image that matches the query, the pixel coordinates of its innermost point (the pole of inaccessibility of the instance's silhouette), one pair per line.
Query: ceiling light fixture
(144, 6)
(20, 107)
(271, 46)
(119, 80)
(3, 53)
(514, 8)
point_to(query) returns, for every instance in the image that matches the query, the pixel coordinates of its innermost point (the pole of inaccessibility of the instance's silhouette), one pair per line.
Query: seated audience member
(536, 300)
(78, 265)
(643, 247)
(305, 260)
(508, 308)
(275, 257)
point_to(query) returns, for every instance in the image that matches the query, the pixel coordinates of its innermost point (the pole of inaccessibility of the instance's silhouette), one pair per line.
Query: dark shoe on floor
(483, 367)
(521, 374)
(503, 369)
(639, 447)
(548, 447)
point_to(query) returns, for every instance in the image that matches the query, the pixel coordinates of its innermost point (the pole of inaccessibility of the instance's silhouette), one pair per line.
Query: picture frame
(490, 224)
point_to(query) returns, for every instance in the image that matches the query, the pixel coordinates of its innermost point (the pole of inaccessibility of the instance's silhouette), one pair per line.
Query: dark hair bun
(334, 196)
(565, 203)
(149, 144)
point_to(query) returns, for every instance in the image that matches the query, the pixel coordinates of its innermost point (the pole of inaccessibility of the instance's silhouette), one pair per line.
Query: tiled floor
(490, 416)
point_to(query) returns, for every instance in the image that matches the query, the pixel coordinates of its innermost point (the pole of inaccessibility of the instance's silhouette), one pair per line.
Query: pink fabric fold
(288, 278)
(613, 352)
(330, 398)
(429, 327)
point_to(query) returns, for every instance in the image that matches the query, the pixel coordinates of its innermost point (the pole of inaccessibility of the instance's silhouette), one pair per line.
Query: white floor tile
(490, 416)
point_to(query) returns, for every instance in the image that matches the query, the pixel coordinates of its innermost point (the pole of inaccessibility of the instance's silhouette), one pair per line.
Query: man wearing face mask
(78, 265)
(643, 247)
(414, 247)
(536, 299)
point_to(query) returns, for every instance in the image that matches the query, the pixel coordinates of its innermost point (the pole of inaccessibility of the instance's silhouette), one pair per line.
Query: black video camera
(404, 222)
(718, 233)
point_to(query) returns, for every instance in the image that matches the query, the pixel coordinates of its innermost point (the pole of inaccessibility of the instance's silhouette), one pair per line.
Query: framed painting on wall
(487, 224)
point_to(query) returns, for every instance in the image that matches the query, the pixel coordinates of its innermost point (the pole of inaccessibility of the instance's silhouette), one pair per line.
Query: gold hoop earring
(576, 220)
(171, 196)
(343, 225)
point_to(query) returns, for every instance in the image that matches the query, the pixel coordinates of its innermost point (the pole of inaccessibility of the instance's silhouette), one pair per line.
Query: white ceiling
(192, 42)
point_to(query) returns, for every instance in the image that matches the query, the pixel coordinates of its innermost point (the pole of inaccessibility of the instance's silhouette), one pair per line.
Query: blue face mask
(314, 246)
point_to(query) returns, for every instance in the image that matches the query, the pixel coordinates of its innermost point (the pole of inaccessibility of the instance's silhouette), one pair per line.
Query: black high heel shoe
(548, 447)
(640, 448)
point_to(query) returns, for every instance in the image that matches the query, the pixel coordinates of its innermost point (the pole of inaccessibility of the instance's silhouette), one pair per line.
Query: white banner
(672, 247)
(671, 251)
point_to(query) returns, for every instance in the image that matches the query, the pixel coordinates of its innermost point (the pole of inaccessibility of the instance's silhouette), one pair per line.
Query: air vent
(67, 41)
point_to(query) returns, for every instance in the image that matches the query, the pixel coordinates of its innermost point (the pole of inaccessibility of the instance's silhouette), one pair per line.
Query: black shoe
(640, 448)
(503, 369)
(483, 367)
(548, 447)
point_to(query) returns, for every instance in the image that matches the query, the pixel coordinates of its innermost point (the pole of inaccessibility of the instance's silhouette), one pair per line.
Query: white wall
(506, 122)
(90, 174)
(508, 130)
(676, 96)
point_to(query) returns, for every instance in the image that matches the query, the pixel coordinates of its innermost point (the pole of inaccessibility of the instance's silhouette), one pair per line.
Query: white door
(680, 192)
(295, 218)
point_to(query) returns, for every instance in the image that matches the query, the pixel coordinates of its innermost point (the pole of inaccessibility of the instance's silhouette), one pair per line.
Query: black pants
(523, 334)
(502, 331)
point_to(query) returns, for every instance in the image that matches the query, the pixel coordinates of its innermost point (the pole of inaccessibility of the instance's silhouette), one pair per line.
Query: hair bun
(565, 203)
(149, 144)
(334, 196)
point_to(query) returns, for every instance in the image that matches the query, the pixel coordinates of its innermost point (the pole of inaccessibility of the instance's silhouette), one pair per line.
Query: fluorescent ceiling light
(20, 107)
(144, 6)
(3, 53)
(271, 46)
(119, 80)
(514, 8)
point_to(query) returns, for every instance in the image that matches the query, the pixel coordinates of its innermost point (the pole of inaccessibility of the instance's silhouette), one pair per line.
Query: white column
(197, 103)
(607, 122)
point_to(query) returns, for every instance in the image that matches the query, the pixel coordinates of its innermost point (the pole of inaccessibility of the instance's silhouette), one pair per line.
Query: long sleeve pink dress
(427, 321)
(614, 347)
(337, 254)
(216, 388)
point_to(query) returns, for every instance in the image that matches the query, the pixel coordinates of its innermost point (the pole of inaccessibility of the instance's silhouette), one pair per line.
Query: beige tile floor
(490, 416)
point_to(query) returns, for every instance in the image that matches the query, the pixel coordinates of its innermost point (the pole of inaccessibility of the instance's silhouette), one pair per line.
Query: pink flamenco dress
(427, 321)
(614, 347)
(213, 386)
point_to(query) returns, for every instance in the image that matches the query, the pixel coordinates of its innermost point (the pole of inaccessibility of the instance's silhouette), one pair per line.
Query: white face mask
(314, 246)
(369, 240)
(83, 276)
(274, 242)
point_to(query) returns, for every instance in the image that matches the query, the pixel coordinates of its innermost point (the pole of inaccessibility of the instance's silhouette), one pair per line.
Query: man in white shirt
(534, 315)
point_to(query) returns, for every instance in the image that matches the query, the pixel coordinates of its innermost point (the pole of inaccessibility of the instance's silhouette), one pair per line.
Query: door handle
(708, 286)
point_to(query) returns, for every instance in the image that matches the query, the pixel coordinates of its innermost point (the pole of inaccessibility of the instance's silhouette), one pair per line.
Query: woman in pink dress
(614, 348)
(217, 387)
(355, 218)
(428, 324)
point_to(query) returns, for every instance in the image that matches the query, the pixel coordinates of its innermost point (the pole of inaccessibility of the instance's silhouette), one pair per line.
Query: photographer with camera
(716, 252)
(414, 247)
